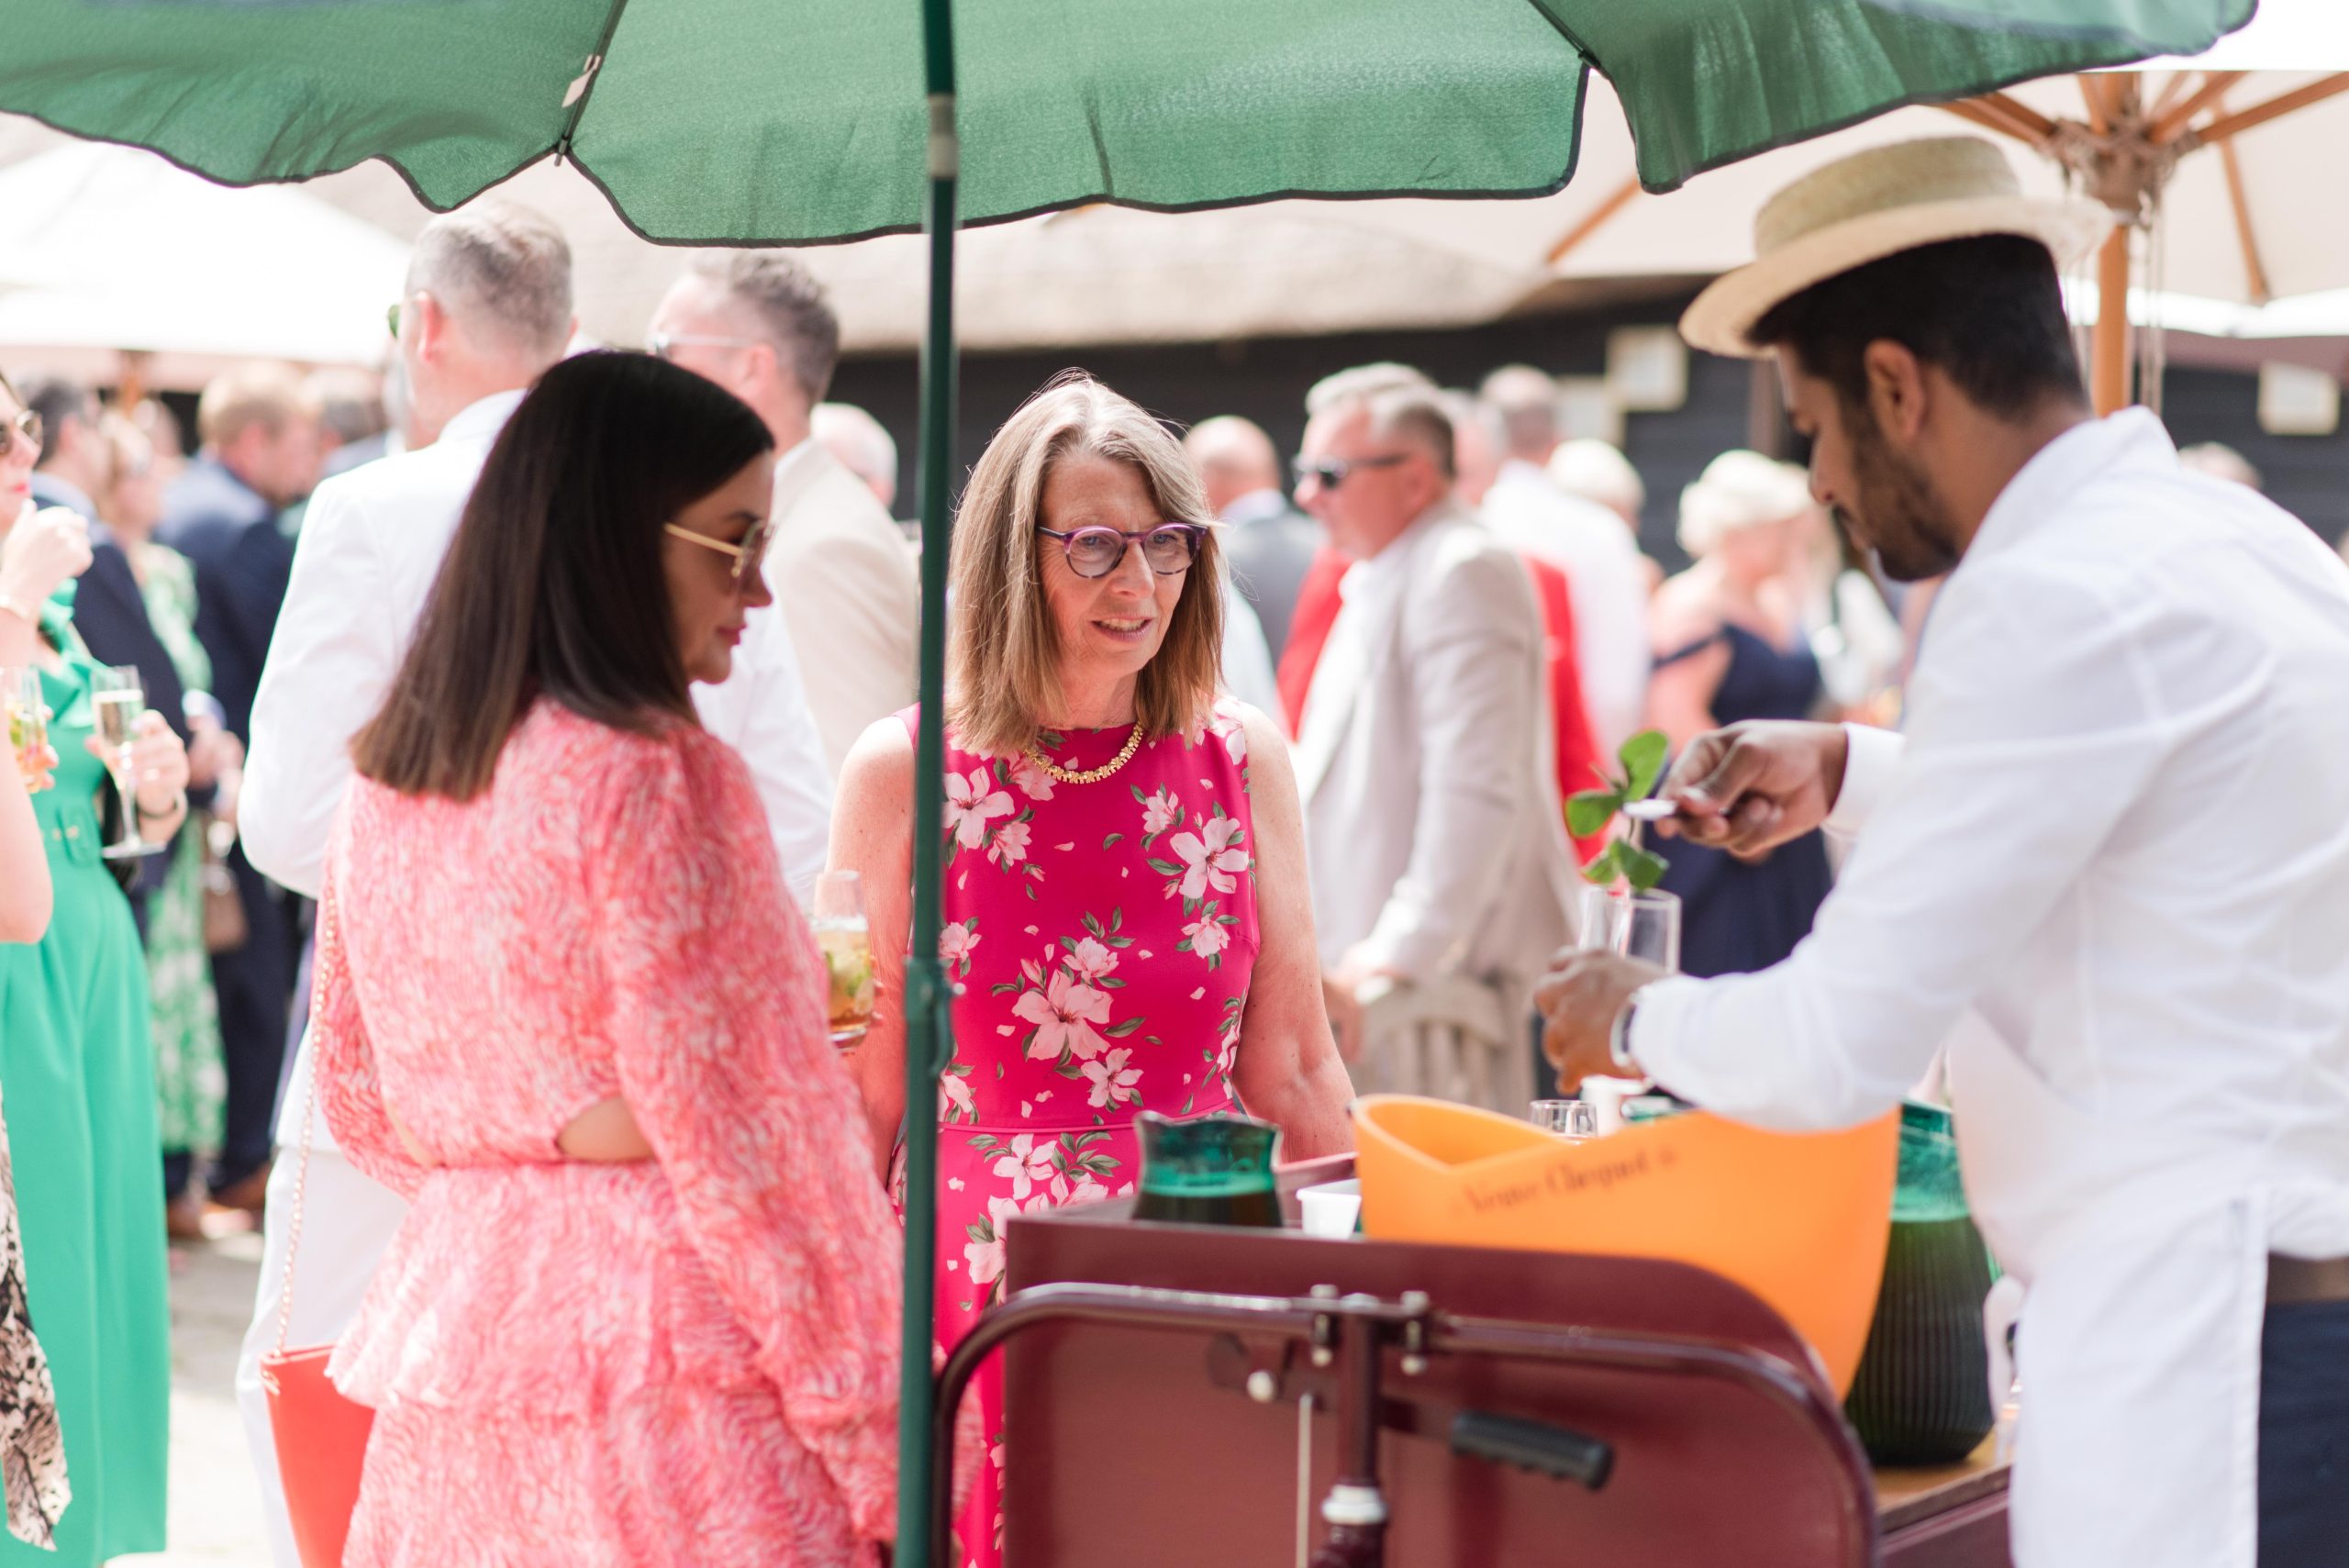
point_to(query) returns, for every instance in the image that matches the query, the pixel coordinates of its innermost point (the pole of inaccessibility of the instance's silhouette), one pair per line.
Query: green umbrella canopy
(795, 120)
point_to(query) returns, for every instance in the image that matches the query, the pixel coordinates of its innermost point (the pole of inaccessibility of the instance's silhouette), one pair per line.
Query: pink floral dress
(688, 1362)
(1101, 936)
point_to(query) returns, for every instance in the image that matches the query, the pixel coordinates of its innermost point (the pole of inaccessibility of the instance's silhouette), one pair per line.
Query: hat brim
(1722, 318)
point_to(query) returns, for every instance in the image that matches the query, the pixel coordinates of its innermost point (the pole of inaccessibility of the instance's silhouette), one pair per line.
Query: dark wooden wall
(1266, 380)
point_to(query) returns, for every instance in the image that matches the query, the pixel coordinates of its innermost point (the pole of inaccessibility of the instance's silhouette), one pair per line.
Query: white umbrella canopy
(121, 250)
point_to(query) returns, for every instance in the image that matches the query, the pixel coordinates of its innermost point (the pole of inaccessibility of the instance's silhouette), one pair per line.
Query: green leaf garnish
(1642, 757)
(1589, 812)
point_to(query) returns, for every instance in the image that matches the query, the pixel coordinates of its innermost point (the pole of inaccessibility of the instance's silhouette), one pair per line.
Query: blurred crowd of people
(1408, 644)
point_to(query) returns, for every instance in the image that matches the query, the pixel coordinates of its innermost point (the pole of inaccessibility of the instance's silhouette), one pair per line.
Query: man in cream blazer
(1424, 756)
(756, 323)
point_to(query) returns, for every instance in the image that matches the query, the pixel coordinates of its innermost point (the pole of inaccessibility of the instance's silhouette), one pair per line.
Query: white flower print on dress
(1207, 935)
(1092, 959)
(1230, 729)
(985, 1251)
(1210, 856)
(1027, 1164)
(1033, 782)
(1009, 845)
(954, 1102)
(1063, 1014)
(1159, 813)
(970, 802)
(954, 945)
(1113, 1082)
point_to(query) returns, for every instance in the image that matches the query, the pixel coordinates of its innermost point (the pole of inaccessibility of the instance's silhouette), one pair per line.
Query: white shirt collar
(2134, 437)
(484, 416)
(1393, 564)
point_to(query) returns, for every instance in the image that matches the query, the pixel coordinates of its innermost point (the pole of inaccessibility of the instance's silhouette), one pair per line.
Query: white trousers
(348, 1220)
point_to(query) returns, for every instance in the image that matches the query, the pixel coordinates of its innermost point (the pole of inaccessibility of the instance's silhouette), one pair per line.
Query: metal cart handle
(1555, 1452)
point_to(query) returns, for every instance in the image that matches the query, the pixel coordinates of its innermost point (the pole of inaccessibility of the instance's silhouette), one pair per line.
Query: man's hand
(1578, 1000)
(1753, 786)
(41, 551)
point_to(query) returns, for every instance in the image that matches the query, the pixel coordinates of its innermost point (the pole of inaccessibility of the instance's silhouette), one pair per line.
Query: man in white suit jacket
(488, 307)
(757, 324)
(1424, 755)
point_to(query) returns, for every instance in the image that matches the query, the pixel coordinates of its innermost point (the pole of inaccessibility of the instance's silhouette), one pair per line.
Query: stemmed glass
(20, 695)
(841, 934)
(117, 697)
(1636, 925)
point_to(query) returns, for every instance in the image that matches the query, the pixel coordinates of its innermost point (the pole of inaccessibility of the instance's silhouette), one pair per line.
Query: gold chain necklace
(1090, 776)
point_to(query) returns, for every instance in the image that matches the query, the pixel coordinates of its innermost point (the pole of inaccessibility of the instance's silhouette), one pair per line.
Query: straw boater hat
(1873, 204)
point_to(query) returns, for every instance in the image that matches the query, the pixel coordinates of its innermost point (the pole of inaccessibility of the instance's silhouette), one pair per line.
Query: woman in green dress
(77, 1067)
(191, 1079)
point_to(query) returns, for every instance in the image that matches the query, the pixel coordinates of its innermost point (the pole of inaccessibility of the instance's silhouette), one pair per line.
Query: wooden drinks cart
(1181, 1394)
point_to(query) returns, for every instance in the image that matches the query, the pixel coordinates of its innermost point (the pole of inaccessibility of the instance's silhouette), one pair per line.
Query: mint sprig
(1589, 812)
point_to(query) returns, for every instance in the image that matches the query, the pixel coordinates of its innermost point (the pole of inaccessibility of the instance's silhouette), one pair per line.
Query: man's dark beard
(1900, 513)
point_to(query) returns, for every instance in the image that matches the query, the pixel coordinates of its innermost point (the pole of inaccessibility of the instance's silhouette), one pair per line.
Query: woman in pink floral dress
(642, 1311)
(1127, 919)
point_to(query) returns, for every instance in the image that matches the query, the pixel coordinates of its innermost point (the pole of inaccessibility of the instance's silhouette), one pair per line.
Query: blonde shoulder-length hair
(1003, 673)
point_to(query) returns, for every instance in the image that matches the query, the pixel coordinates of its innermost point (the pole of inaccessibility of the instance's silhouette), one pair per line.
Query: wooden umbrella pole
(2109, 362)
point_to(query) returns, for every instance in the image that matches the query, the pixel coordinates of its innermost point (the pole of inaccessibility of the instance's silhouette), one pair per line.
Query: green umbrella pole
(929, 1039)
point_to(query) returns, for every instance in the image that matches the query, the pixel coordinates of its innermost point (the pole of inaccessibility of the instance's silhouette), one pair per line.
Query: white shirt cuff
(1654, 1037)
(1870, 758)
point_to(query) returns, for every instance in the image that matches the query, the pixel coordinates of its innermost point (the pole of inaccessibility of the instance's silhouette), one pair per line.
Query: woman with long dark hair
(553, 934)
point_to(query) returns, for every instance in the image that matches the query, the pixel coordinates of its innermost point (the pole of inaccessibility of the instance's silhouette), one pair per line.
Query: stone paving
(214, 1511)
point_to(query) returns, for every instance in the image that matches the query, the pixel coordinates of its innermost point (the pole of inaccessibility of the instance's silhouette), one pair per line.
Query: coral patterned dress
(688, 1362)
(1101, 936)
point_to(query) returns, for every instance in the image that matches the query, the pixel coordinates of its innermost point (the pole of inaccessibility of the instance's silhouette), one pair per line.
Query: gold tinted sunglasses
(748, 555)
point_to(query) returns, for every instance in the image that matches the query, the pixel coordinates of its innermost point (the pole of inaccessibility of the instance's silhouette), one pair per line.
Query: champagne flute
(845, 939)
(117, 697)
(20, 694)
(1636, 925)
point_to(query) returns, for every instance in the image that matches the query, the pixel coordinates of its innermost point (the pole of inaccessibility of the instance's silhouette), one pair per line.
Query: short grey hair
(1402, 403)
(501, 270)
(789, 306)
(1525, 402)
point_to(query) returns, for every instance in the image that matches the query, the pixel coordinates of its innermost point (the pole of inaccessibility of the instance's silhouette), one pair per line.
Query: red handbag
(321, 1436)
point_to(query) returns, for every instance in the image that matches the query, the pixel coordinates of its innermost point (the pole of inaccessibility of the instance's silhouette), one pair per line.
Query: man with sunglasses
(757, 324)
(1424, 752)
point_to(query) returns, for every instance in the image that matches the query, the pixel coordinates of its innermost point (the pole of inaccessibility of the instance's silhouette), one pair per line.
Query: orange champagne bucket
(1801, 1220)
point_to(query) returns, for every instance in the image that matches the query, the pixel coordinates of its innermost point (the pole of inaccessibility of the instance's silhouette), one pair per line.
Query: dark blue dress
(1735, 917)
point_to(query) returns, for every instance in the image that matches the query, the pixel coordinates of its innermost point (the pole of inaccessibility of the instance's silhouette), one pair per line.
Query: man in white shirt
(2109, 849)
(1424, 759)
(1531, 512)
(488, 309)
(757, 324)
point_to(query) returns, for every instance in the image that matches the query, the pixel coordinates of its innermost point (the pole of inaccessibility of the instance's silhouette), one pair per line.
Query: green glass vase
(1212, 1170)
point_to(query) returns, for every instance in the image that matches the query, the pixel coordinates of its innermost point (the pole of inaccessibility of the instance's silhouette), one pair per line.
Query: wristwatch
(1619, 1038)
